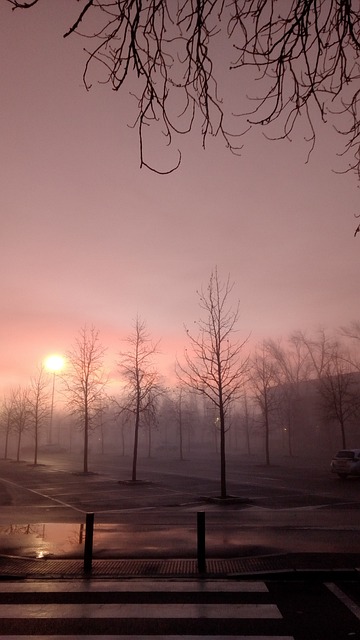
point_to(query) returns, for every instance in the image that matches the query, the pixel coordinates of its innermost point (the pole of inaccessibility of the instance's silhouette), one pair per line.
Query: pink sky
(88, 237)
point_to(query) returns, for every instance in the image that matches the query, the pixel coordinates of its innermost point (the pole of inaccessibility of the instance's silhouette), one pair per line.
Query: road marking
(42, 495)
(348, 602)
(147, 611)
(120, 612)
(133, 586)
(146, 637)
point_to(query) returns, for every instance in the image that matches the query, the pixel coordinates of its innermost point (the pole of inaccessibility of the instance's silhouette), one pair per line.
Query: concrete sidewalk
(296, 563)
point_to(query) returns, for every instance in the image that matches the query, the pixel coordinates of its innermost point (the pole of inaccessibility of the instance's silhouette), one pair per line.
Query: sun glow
(54, 363)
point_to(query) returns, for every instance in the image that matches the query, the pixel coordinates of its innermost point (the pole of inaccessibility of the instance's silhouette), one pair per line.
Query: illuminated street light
(54, 364)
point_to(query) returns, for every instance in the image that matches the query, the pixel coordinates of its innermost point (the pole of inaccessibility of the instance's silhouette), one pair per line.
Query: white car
(346, 463)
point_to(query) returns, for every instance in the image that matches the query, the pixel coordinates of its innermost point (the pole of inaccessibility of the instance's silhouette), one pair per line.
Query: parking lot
(270, 510)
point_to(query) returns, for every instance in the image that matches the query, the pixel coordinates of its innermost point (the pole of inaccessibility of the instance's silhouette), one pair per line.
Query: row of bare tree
(217, 366)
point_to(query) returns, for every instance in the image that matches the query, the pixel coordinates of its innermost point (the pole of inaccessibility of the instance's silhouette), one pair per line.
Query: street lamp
(54, 364)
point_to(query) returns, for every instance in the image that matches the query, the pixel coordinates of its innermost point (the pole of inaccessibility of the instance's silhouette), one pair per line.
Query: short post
(89, 535)
(201, 542)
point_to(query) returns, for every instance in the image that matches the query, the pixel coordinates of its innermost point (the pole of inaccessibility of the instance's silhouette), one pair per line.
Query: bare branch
(304, 55)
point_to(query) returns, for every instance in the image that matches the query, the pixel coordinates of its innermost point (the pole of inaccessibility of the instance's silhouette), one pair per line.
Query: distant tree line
(294, 395)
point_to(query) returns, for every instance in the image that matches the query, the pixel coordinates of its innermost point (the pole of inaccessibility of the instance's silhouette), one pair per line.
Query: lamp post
(54, 364)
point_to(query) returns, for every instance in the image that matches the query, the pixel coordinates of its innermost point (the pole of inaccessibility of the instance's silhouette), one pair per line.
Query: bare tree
(352, 333)
(215, 366)
(247, 421)
(102, 412)
(142, 380)
(339, 392)
(20, 415)
(123, 422)
(7, 418)
(179, 413)
(179, 410)
(302, 58)
(39, 406)
(151, 417)
(264, 381)
(85, 382)
(320, 348)
(336, 383)
(293, 366)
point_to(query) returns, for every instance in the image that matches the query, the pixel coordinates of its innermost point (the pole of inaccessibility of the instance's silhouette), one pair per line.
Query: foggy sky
(88, 237)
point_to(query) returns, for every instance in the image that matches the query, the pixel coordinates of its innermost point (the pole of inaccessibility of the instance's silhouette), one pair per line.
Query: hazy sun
(54, 362)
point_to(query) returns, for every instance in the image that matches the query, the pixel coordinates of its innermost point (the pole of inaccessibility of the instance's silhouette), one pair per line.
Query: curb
(294, 566)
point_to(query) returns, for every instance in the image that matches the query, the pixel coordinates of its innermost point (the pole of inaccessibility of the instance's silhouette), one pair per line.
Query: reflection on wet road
(281, 509)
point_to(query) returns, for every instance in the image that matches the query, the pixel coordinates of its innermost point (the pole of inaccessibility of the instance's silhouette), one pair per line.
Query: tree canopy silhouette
(287, 58)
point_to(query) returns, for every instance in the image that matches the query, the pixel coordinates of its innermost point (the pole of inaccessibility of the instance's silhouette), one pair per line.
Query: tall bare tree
(39, 406)
(142, 380)
(85, 382)
(301, 57)
(215, 366)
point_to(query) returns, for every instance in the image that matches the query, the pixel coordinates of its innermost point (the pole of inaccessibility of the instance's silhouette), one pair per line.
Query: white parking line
(350, 604)
(42, 495)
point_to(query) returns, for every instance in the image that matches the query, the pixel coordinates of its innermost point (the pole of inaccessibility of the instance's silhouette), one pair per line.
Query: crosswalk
(142, 609)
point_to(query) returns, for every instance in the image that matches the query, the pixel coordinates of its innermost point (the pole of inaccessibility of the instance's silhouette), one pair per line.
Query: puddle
(49, 540)
(67, 541)
(42, 540)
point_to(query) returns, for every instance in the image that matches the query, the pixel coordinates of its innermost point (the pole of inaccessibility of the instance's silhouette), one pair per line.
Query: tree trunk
(136, 440)
(267, 446)
(222, 453)
(122, 442)
(36, 444)
(290, 440)
(149, 440)
(6, 443)
(343, 437)
(180, 435)
(18, 447)
(86, 440)
(267, 429)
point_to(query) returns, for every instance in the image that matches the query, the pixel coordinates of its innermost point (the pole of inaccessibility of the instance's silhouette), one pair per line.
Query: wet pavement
(152, 540)
(57, 550)
(151, 526)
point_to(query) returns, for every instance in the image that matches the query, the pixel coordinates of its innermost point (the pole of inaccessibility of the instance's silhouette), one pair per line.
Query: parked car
(346, 463)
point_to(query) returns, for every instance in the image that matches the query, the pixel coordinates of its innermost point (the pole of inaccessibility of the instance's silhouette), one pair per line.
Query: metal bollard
(201, 542)
(89, 535)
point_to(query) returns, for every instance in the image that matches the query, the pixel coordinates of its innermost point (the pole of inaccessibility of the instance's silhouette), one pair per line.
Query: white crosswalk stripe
(179, 610)
(142, 609)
